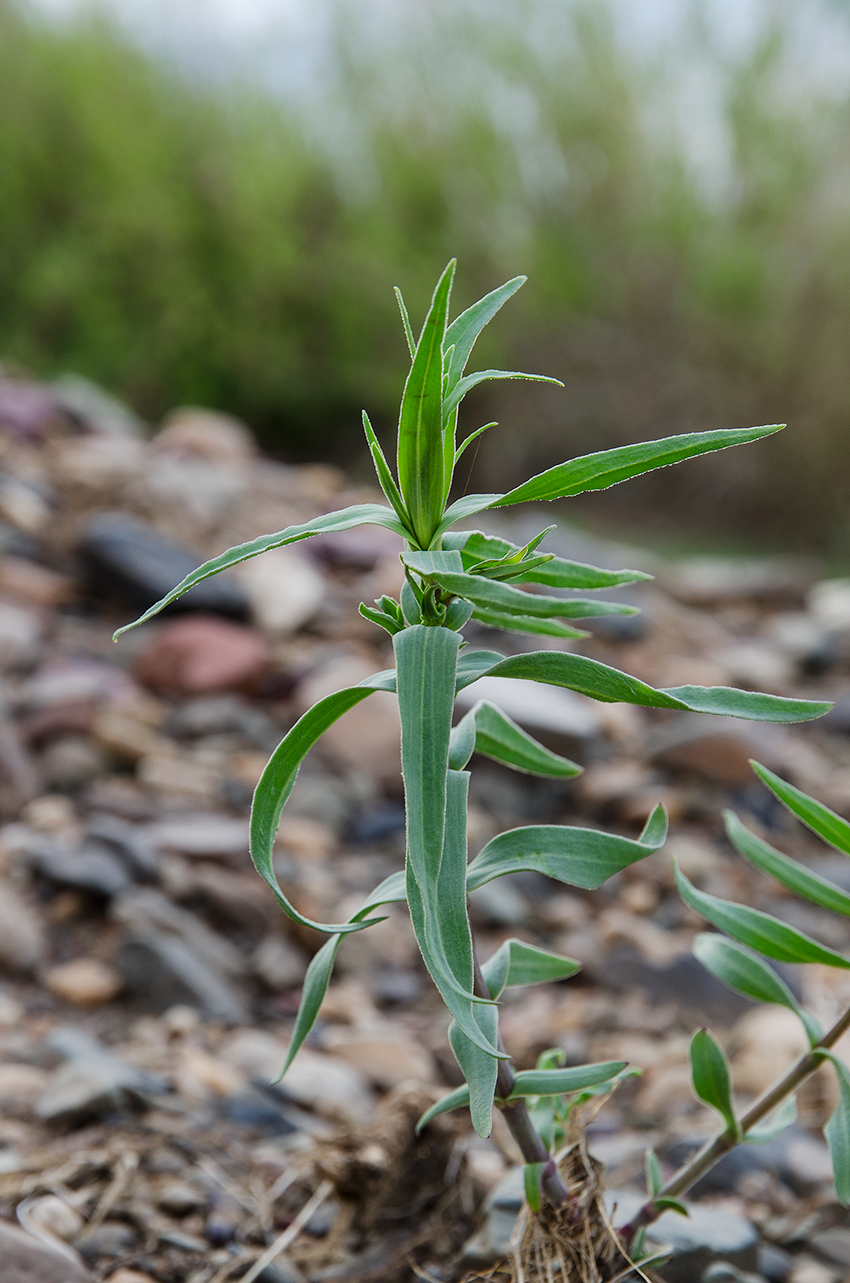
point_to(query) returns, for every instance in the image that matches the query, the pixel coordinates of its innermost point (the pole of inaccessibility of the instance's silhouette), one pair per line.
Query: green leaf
(432, 563)
(837, 1132)
(473, 436)
(758, 930)
(381, 618)
(421, 470)
(560, 1082)
(494, 735)
(829, 826)
(608, 467)
(460, 389)
(517, 963)
(496, 596)
(743, 971)
(385, 476)
(454, 1100)
(579, 857)
(654, 1175)
(712, 1080)
(526, 624)
(465, 329)
(474, 546)
(532, 1177)
(361, 514)
(473, 664)
(467, 506)
(405, 320)
(278, 778)
(479, 1068)
(774, 1125)
(671, 1205)
(796, 877)
(321, 966)
(609, 685)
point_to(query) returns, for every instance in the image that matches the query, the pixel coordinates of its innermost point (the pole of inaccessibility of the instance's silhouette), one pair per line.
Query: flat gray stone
(27, 1260)
(92, 1081)
(162, 971)
(704, 1238)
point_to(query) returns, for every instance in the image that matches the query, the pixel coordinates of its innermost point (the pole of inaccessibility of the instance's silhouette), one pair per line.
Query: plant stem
(715, 1149)
(530, 1142)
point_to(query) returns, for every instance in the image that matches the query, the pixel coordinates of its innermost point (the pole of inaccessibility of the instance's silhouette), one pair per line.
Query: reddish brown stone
(201, 653)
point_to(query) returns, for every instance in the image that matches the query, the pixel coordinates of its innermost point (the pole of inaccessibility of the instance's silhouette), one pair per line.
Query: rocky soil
(148, 983)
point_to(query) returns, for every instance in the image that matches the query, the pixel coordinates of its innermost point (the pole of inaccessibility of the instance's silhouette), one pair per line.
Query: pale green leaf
(504, 598)
(759, 930)
(460, 389)
(385, 476)
(774, 1125)
(579, 857)
(608, 467)
(474, 546)
(405, 320)
(526, 624)
(517, 963)
(791, 874)
(361, 514)
(829, 826)
(497, 737)
(837, 1132)
(465, 329)
(532, 1180)
(561, 1082)
(454, 1100)
(712, 1080)
(654, 1175)
(479, 1068)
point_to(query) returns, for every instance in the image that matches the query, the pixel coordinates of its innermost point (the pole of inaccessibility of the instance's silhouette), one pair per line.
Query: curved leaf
(712, 1079)
(385, 476)
(560, 1082)
(360, 514)
(829, 826)
(608, 467)
(459, 390)
(579, 857)
(421, 469)
(609, 685)
(279, 775)
(491, 594)
(465, 329)
(454, 1100)
(526, 624)
(774, 1125)
(475, 546)
(837, 1132)
(467, 506)
(517, 963)
(494, 735)
(758, 930)
(479, 1068)
(796, 877)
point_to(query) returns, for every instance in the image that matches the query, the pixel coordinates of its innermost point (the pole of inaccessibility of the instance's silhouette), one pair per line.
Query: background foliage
(182, 239)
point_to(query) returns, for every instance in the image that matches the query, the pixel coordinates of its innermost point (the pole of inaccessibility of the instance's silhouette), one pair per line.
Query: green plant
(736, 962)
(453, 576)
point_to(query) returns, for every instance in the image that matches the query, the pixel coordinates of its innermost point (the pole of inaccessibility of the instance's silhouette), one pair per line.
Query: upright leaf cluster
(452, 576)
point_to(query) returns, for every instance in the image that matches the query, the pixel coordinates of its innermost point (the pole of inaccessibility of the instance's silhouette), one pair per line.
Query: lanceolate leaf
(465, 329)
(361, 514)
(278, 778)
(837, 1132)
(829, 826)
(517, 963)
(796, 877)
(475, 546)
(609, 685)
(560, 1082)
(774, 1125)
(462, 508)
(579, 857)
(319, 971)
(493, 595)
(460, 389)
(758, 930)
(385, 476)
(526, 624)
(479, 1069)
(532, 1180)
(744, 972)
(608, 467)
(711, 1078)
(496, 736)
(420, 436)
(454, 1100)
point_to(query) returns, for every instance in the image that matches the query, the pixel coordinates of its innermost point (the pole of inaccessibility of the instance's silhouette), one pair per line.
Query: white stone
(284, 590)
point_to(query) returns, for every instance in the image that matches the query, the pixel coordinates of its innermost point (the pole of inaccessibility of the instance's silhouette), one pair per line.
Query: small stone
(179, 1199)
(21, 1084)
(112, 1238)
(717, 748)
(95, 409)
(71, 761)
(707, 581)
(84, 981)
(81, 868)
(206, 434)
(284, 590)
(200, 1075)
(27, 409)
(769, 1040)
(807, 1270)
(384, 1061)
(320, 1082)
(130, 560)
(161, 970)
(201, 834)
(774, 1263)
(22, 942)
(20, 636)
(360, 548)
(127, 736)
(833, 1243)
(200, 654)
(279, 963)
(369, 732)
(499, 903)
(53, 1215)
(27, 1260)
(34, 584)
(130, 1276)
(93, 1082)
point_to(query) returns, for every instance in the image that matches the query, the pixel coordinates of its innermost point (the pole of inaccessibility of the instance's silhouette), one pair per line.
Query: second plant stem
(515, 1112)
(711, 1153)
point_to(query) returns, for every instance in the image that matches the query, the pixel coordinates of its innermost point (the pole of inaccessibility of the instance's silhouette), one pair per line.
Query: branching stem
(715, 1149)
(530, 1142)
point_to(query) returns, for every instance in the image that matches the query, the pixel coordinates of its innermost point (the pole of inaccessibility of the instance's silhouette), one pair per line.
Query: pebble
(27, 1260)
(80, 867)
(284, 590)
(93, 1081)
(718, 749)
(384, 1061)
(127, 559)
(199, 654)
(179, 1199)
(206, 434)
(162, 970)
(369, 732)
(708, 581)
(21, 1084)
(129, 1276)
(22, 940)
(808, 1270)
(51, 1215)
(833, 1243)
(278, 962)
(84, 981)
(96, 409)
(201, 834)
(20, 636)
(769, 1040)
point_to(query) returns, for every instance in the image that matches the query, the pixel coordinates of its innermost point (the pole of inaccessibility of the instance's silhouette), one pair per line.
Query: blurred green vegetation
(184, 242)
